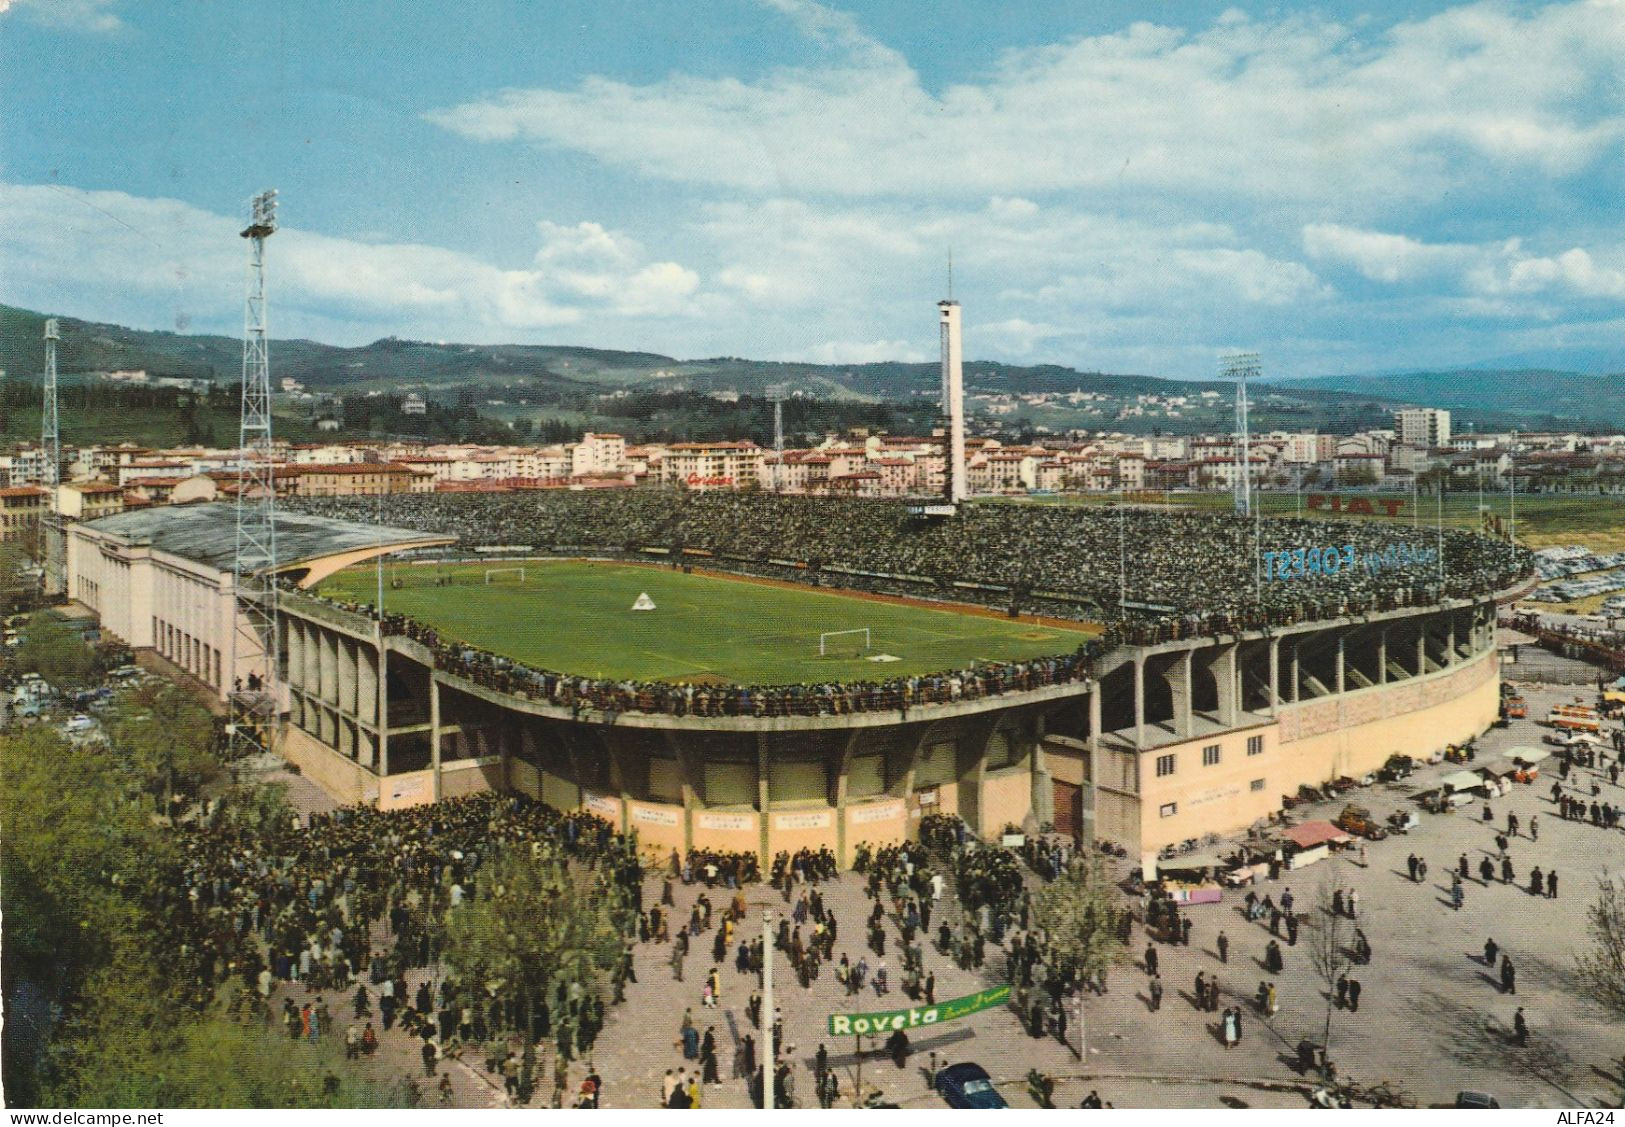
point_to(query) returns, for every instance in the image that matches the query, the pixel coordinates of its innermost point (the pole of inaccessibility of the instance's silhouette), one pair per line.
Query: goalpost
(823, 639)
(493, 573)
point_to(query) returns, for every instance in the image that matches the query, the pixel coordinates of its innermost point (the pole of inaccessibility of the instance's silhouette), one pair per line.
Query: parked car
(1476, 1100)
(1357, 820)
(968, 1086)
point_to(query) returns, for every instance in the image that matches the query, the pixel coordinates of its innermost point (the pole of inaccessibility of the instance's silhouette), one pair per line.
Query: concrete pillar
(1275, 676)
(976, 776)
(434, 733)
(1043, 786)
(1091, 792)
(1181, 690)
(843, 767)
(1297, 673)
(313, 661)
(1226, 676)
(296, 669)
(348, 669)
(762, 799)
(1450, 638)
(685, 775)
(1382, 656)
(330, 667)
(383, 707)
(366, 684)
(1342, 663)
(1421, 647)
(1139, 700)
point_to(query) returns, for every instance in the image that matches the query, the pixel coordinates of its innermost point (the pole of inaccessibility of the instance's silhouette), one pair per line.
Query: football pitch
(577, 617)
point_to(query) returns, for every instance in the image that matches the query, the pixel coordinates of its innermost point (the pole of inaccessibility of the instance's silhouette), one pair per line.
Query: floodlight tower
(50, 429)
(953, 399)
(1242, 366)
(254, 569)
(53, 549)
(776, 396)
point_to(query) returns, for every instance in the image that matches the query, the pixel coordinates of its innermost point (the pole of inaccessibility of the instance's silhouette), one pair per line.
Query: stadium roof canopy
(311, 547)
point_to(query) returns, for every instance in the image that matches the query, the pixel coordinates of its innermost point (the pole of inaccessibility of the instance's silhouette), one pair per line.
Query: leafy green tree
(1078, 913)
(56, 652)
(76, 854)
(536, 921)
(18, 590)
(169, 736)
(141, 1050)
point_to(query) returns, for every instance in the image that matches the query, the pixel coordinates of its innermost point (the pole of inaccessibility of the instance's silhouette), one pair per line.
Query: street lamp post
(769, 1058)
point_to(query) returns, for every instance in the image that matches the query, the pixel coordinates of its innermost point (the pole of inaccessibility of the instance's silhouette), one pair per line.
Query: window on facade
(1168, 809)
(1165, 765)
(1210, 755)
(1258, 784)
(1255, 745)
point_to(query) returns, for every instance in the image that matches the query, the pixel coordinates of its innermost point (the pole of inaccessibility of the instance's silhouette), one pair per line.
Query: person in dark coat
(1520, 1028)
(1354, 995)
(1150, 959)
(1509, 976)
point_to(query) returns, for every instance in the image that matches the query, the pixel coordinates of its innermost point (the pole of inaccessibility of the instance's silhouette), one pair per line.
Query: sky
(1124, 187)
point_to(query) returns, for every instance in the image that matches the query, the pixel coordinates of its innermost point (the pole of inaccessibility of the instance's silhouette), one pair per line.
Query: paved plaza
(1432, 1018)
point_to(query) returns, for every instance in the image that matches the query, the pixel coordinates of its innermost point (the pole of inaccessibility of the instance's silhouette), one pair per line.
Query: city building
(1422, 426)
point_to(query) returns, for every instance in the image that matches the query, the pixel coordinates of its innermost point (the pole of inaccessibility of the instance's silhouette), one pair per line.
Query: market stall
(1311, 842)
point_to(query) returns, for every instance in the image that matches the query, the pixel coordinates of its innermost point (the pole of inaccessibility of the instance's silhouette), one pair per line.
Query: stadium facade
(1162, 743)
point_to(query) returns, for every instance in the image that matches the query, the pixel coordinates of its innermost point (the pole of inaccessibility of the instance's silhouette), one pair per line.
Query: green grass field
(576, 617)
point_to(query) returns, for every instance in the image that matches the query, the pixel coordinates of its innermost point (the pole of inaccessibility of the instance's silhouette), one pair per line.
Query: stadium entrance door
(1068, 809)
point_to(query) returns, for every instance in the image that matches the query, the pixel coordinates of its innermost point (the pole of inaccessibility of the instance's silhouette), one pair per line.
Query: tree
(1603, 966)
(534, 923)
(1078, 913)
(1329, 952)
(56, 652)
(169, 736)
(76, 850)
(18, 589)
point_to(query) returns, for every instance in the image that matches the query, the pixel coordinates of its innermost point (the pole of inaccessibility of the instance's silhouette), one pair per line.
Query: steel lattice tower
(1241, 367)
(53, 547)
(775, 395)
(50, 429)
(254, 640)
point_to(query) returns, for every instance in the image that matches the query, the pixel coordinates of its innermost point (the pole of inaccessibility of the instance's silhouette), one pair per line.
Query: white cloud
(1294, 108)
(1379, 256)
(863, 352)
(136, 253)
(1017, 336)
(69, 15)
(1502, 270)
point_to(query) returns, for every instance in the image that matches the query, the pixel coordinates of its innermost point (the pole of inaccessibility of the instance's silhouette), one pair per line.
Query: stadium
(762, 674)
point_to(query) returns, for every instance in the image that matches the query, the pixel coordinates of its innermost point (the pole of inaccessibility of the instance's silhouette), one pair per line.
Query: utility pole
(254, 638)
(769, 1061)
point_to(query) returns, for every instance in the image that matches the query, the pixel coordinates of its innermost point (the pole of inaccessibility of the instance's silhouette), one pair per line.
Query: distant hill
(1541, 394)
(575, 377)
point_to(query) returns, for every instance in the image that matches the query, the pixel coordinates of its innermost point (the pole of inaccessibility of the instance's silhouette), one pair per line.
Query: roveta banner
(887, 1020)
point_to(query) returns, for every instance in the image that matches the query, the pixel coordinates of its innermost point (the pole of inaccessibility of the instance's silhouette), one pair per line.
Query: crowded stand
(1060, 559)
(1190, 575)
